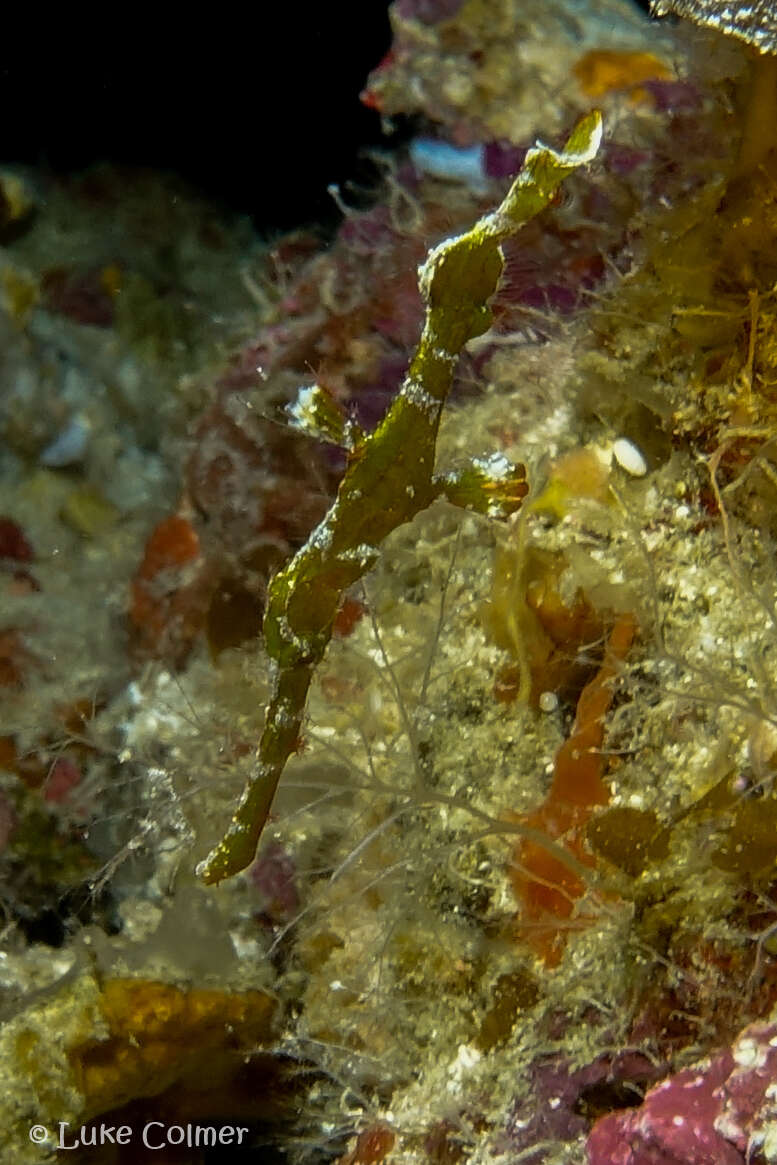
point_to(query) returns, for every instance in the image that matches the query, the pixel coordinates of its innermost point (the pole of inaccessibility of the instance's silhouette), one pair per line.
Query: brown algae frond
(389, 478)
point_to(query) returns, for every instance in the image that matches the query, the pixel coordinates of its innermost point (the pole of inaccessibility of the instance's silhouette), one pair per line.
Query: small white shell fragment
(548, 702)
(629, 457)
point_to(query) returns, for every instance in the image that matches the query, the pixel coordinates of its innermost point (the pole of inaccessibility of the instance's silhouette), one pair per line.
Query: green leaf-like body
(389, 479)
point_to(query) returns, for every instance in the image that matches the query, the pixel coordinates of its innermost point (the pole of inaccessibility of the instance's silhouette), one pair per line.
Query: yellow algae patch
(579, 473)
(87, 1047)
(601, 71)
(159, 1035)
(87, 512)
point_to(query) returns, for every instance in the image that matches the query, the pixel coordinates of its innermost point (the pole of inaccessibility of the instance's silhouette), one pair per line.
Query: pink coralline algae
(556, 1108)
(274, 875)
(718, 1113)
(64, 776)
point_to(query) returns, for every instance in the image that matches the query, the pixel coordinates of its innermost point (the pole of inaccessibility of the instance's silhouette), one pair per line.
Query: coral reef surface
(516, 895)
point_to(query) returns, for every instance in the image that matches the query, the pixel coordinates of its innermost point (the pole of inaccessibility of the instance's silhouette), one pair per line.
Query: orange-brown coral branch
(547, 888)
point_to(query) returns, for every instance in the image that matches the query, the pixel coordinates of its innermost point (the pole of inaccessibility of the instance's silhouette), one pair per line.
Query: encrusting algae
(92, 1046)
(158, 1034)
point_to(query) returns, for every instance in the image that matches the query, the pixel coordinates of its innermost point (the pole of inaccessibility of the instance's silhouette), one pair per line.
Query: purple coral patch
(709, 1115)
(502, 160)
(274, 874)
(554, 1108)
